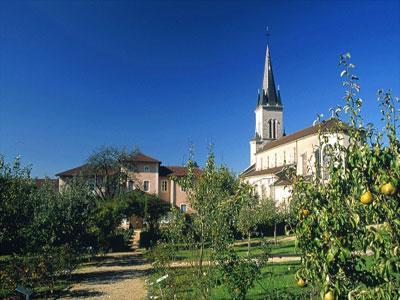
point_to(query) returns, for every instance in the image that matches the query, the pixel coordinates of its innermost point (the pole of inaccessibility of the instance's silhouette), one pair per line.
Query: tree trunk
(248, 242)
(200, 273)
(276, 242)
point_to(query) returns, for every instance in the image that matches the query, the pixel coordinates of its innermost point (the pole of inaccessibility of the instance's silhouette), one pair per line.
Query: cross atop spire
(267, 34)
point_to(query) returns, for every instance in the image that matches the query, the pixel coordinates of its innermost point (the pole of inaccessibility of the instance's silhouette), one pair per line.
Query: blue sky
(166, 74)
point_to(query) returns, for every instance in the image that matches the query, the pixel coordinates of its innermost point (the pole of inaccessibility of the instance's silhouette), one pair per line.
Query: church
(272, 151)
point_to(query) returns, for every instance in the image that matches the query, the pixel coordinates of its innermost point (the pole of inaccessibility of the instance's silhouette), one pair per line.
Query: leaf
(344, 72)
(330, 256)
(356, 218)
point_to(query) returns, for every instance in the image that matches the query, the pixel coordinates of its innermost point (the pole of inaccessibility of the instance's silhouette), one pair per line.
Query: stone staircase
(135, 239)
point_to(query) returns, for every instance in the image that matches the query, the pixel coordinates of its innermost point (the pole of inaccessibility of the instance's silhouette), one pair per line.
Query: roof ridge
(302, 133)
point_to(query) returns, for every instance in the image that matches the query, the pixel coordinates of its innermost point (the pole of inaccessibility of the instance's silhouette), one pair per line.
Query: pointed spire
(268, 86)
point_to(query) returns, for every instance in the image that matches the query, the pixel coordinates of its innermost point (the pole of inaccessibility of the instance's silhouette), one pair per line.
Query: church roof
(249, 169)
(324, 125)
(254, 172)
(269, 95)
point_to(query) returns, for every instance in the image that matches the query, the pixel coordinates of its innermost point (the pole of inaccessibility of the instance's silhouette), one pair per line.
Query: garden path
(112, 276)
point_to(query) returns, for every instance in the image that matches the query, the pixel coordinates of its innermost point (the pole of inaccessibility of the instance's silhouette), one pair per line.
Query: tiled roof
(71, 172)
(248, 170)
(176, 171)
(163, 170)
(140, 157)
(273, 170)
(282, 182)
(323, 126)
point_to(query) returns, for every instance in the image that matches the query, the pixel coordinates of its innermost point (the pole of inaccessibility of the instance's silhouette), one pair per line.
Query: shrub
(43, 232)
(40, 269)
(120, 240)
(348, 228)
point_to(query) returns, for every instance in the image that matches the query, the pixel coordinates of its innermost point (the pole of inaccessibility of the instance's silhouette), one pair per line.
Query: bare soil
(112, 276)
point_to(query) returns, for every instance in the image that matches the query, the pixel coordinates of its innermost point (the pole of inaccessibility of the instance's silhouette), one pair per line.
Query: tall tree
(105, 170)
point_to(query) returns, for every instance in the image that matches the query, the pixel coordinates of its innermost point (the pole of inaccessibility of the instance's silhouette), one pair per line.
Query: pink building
(147, 174)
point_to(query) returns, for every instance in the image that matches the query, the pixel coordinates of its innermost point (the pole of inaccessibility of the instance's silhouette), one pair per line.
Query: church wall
(300, 152)
(282, 194)
(262, 184)
(305, 154)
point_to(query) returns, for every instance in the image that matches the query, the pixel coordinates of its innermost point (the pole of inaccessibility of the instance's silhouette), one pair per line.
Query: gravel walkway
(113, 276)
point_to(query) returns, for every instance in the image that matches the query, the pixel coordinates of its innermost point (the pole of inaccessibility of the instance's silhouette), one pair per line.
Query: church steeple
(269, 111)
(268, 94)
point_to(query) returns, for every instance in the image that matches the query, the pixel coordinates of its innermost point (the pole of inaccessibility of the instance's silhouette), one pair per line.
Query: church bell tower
(269, 111)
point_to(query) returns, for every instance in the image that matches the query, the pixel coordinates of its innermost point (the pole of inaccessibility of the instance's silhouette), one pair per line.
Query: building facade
(148, 174)
(272, 151)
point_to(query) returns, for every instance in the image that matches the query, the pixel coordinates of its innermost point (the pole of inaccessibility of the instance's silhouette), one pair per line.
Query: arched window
(270, 128)
(274, 129)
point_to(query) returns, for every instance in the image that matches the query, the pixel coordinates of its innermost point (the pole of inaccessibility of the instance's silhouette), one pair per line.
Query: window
(164, 185)
(270, 128)
(130, 185)
(146, 185)
(183, 208)
(274, 130)
(146, 169)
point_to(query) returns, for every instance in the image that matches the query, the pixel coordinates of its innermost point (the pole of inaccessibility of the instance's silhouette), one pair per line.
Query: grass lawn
(277, 279)
(284, 248)
(277, 282)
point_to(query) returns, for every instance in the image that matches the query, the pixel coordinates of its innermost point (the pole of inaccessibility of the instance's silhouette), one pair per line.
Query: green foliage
(110, 212)
(339, 232)
(43, 232)
(147, 206)
(40, 269)
(108, 215)
(60, 219)
(15, 205)
(238, 274)
(120, 240)
(217, 198)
